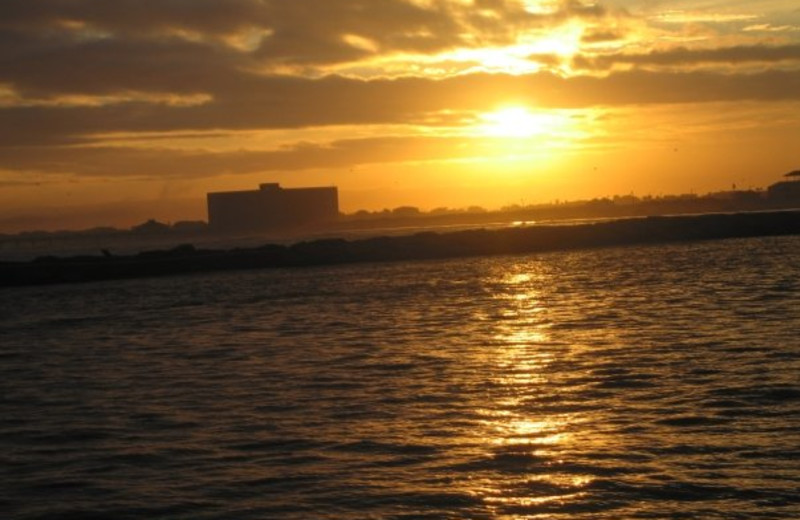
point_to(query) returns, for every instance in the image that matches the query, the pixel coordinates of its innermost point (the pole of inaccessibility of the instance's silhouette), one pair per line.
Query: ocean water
(627, 383)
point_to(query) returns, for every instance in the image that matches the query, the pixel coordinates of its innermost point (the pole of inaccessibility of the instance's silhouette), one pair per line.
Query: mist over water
(638, 382)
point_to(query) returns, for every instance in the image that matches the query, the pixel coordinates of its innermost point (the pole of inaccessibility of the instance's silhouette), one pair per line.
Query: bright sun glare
(519, 122)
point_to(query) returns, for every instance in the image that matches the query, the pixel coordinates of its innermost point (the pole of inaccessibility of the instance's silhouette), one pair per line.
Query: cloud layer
(75, 72)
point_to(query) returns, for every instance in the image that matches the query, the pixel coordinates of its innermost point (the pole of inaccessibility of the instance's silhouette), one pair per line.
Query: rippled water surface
(649, 382)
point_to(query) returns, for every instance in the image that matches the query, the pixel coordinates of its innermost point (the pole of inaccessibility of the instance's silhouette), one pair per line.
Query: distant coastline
(153, 234)
(784, 195)
(186, 259)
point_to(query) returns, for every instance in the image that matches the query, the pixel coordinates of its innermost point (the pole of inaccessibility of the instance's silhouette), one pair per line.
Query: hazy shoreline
(419, 246)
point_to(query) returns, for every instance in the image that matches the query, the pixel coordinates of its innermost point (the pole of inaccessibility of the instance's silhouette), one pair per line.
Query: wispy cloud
(685, 56)
(683, 17)
(340, 101)
(765, 27)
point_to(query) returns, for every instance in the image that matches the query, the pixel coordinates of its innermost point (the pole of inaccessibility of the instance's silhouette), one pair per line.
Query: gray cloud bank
(72, 71)
(683, 56)
(251, 102)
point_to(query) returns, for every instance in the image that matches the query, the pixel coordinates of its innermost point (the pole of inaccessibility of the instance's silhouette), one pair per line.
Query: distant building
(271, 208)
(786, 191)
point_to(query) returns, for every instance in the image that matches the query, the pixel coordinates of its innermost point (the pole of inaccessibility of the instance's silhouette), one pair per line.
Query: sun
(520, 122)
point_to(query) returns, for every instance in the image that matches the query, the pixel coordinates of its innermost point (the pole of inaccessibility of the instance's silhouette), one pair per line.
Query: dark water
(649, 382)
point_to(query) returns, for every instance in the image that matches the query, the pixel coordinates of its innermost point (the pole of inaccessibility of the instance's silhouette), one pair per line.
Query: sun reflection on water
(525, 443)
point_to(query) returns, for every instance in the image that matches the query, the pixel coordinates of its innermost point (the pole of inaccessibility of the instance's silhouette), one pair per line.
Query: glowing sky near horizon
(113, 112)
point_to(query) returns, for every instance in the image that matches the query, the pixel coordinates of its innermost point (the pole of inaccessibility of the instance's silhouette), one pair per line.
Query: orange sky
(115, 112)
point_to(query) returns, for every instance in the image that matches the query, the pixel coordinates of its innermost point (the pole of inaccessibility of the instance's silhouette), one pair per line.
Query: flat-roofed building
(272, 208)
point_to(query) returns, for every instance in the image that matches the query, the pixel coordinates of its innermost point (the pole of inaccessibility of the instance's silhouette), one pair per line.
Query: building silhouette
(786, 191)
(271, 208)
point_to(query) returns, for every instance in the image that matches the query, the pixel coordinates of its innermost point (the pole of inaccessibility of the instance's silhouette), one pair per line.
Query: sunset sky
(115, 111)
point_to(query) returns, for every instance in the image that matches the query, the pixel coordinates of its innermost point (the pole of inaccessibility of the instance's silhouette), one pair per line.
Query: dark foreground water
(649, 382)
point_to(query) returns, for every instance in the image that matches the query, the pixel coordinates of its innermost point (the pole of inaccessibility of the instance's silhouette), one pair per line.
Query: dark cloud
(60, 66)
(579, 8)
(601, 36)
(83, 69)
(252, 103)
(272, 32)
(163, 163)
(682, 56)
(546, 59)
(132, 49)
(314, 31)
(135, 16)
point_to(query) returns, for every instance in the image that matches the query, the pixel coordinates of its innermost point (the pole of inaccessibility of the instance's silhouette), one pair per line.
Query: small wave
(626, 382)
(277, 445)
(367, 446)
(675, 491)
(690, 421)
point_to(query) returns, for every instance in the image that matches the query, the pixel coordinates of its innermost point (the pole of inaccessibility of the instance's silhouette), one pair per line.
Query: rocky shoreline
(187, 259)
